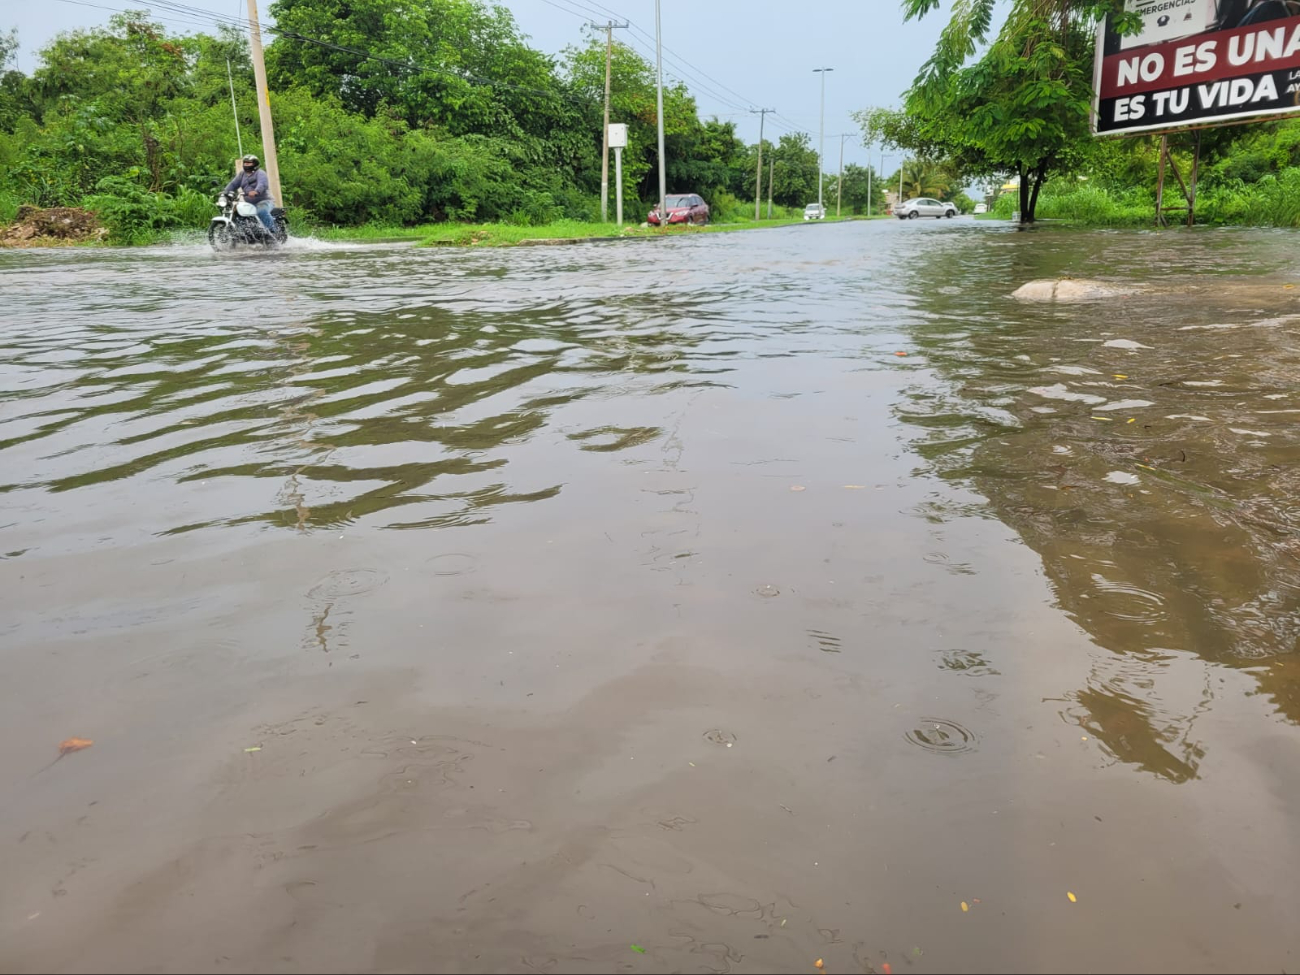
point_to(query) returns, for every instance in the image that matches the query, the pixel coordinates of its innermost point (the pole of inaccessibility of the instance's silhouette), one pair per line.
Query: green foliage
(425, 111)
(132, 214)
(964, 203)
(1021, 106)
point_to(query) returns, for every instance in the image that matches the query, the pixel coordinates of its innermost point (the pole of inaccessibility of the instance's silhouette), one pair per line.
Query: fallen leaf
(884, 967)
(855, 487)
(1073, 899)
(918, 952)
(965, 906)
(783, 920)
(900, 354)
(255, 748)
(73, 745)
(797, 487)
(819, 963)
(1104, 419)
(1120, 375)
(638, 949)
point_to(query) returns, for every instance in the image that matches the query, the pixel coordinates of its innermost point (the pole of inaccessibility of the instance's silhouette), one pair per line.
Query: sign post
(617, 142)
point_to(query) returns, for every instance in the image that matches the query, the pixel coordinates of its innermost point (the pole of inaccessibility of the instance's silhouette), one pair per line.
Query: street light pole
(839, 180)
(821, 135)
(659, 84)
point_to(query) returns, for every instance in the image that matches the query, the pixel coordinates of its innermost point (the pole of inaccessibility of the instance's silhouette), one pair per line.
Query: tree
(793, 162)
(925, 177)
(1021, 106)
(860, 185)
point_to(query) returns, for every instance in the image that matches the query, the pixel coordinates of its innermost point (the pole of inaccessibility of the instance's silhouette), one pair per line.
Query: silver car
(924, 207)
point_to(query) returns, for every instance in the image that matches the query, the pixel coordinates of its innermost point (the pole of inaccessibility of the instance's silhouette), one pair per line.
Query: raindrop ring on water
(347, 582)
(942, 735)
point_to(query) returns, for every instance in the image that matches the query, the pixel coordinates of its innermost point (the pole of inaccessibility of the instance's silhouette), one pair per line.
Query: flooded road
(637, 607)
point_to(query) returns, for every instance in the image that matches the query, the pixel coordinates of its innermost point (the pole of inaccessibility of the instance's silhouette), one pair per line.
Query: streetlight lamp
(821, 135)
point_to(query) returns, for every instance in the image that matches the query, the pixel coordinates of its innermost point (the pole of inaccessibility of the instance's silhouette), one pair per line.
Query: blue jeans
(264, 214)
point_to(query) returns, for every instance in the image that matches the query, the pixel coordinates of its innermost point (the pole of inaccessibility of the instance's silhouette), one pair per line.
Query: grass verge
(505, 235)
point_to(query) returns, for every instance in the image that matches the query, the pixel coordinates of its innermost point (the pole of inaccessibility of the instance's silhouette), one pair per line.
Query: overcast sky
(733, 54)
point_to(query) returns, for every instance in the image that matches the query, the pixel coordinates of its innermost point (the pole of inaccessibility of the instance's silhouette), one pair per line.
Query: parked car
(814, 211)
(924, 207)
(981, 208)
(682, 208)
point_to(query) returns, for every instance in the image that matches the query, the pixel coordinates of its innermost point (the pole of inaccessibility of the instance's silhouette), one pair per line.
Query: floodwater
(637, 607)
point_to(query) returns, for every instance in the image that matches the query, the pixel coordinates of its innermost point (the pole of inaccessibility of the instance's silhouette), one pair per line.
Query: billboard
(1197, 62)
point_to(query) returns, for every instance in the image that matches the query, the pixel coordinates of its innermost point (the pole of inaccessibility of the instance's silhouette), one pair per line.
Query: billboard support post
(1189, 191)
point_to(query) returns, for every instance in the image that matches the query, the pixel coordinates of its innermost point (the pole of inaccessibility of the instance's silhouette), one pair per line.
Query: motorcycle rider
(257, 190)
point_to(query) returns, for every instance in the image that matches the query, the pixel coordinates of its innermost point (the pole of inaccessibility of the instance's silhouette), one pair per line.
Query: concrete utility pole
(821, 134)
(771, 178)
(869, 175)
(608, 27)
(264, 104)
(758, 176)
(839, 181)
(659, 84)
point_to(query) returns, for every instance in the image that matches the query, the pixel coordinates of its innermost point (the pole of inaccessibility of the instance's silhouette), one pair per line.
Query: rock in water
(1068, 289)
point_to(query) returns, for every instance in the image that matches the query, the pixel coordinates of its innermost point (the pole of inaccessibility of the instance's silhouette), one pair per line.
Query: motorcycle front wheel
(220, 237)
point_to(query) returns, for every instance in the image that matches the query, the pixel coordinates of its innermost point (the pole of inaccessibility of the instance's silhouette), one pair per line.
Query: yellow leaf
(1104, 419)
(1073, 899)
(74, 745)
(965, 906)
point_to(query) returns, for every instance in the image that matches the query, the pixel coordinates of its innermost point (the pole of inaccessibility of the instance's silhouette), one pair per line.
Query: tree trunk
(1039, 175)
(1026, 215)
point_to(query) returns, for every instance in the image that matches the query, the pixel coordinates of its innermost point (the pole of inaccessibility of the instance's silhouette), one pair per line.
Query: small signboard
(1197, 62)
(618, 135)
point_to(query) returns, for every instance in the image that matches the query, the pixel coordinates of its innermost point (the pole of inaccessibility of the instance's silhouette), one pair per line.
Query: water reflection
(1144, 446)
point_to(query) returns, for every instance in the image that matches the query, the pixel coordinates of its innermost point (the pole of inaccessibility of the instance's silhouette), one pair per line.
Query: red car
(682, 208)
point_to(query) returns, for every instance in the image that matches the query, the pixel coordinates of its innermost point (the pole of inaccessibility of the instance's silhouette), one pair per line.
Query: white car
(924, 207)
(981, 208)
(814, 211)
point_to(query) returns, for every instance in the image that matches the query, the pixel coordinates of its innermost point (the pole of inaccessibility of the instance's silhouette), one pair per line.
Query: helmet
(250, 159)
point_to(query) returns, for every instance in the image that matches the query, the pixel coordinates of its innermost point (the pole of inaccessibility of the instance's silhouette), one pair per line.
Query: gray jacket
(256, 187)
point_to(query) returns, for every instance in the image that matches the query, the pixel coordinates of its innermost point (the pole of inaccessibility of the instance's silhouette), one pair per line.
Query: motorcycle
(238, 225)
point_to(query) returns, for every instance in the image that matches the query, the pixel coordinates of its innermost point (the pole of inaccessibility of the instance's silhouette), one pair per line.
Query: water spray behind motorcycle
(238, 225)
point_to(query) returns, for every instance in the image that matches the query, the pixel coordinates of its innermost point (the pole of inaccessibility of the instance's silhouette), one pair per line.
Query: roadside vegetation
(1009, 100)
(440, 116)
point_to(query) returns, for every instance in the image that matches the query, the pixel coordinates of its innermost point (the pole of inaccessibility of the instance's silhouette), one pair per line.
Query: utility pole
(821, 134)
(608, 27)
(839, 181)
(900, 180)
(264, 103)
(758, 176)
(869, 175)
(659, 85)
(771, 178)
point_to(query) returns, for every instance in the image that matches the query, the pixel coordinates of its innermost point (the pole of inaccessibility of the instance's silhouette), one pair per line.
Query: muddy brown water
(505, 610)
